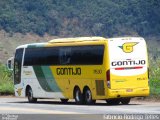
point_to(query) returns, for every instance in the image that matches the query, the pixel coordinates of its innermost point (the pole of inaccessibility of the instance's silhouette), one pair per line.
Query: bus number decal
(97, 71)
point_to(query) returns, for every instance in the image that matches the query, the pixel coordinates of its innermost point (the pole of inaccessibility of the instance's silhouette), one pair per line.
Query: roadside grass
(6, 82)
(154, 72)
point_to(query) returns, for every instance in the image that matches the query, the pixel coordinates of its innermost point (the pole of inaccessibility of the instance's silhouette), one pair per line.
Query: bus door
(17, 71)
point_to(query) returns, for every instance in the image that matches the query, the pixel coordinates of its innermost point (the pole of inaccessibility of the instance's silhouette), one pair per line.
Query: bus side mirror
(10, 63)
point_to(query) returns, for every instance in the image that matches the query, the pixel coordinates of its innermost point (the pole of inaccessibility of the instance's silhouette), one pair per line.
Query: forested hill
(81, 17)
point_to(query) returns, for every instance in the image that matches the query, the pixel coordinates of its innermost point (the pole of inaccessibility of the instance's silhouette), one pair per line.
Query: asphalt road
(53, 109)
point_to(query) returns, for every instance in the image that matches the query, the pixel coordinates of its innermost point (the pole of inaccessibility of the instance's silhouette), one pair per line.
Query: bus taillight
(108, 78)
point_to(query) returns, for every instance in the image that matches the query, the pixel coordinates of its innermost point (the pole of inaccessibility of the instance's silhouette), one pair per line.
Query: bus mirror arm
(10, 64)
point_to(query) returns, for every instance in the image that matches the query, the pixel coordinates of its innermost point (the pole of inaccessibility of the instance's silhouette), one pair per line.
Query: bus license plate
(129, 90)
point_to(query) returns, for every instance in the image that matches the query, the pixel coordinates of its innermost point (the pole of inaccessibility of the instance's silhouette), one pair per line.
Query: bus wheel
(125, 101)
(113, 101)
(88, 97)
(64, 100)
(78, 96)
(31, 99)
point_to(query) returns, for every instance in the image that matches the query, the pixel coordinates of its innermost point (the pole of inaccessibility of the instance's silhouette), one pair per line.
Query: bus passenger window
(65, 55)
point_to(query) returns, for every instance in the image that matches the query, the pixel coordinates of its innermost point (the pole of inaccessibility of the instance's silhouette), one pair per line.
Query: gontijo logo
(128, 47)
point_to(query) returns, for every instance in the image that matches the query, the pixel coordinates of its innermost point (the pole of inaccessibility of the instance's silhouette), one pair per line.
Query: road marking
(32, 111)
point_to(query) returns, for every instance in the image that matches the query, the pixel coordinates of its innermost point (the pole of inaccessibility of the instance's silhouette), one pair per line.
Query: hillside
(81, 17)
(9, 43)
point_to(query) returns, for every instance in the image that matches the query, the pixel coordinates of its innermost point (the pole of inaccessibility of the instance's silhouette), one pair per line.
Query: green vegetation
(81, 17)
(6, 83)
(155, 77)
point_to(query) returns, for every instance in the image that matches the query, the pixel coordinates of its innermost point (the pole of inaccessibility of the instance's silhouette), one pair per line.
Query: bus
(84, 68)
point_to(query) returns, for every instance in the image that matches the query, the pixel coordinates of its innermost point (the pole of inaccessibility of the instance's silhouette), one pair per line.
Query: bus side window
(65, 55)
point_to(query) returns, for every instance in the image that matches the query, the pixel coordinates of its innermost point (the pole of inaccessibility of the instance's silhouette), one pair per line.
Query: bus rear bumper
(133, 92)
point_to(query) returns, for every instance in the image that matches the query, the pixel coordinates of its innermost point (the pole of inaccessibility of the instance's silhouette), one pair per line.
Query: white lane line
(32, 111)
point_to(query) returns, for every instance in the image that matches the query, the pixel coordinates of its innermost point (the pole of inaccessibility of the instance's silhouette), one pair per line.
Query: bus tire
(31, 99)
(113, 101)
(88, 97)
(125, 101)
(78, 96)
(64, 100)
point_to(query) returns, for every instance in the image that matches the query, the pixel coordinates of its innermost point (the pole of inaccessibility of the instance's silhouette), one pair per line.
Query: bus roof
(125, 38)
(76, 39)
(31, 44)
